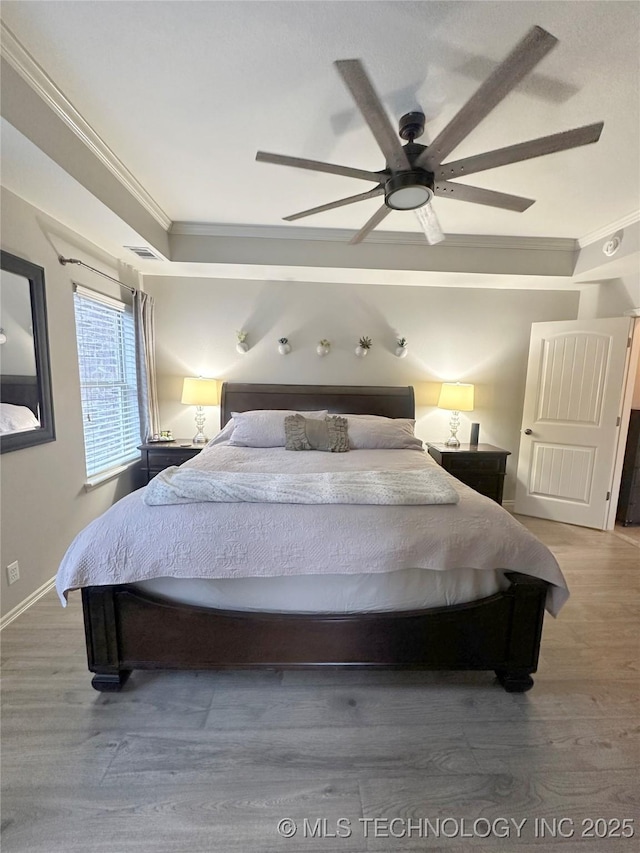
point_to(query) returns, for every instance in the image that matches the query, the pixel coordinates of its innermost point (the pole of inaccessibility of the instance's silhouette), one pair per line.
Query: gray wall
(610, 298)
(43, 499)
(471, 335)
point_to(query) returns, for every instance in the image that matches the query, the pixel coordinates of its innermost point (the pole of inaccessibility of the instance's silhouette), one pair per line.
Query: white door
(571, 419)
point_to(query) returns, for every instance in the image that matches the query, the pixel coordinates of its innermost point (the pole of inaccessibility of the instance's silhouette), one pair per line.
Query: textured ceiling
(184, 93)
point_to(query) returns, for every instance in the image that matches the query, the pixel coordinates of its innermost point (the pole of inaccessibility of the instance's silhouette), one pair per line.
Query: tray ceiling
(185, 93)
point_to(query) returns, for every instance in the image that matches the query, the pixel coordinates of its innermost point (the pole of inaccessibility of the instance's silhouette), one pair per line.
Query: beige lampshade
(199, 392)
(456, 396)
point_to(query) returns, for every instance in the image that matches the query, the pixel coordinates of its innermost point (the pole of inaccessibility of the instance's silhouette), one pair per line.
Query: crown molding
(398, 238)
(609, 229)
(36, 77)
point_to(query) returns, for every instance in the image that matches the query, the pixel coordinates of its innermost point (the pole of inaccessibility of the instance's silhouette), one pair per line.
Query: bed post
(524, 632)
(102, 638)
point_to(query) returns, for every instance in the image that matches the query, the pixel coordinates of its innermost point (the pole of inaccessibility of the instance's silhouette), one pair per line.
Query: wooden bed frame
(126, 629)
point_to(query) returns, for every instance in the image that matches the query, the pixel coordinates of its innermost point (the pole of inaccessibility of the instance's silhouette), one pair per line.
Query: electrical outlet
(13, 572)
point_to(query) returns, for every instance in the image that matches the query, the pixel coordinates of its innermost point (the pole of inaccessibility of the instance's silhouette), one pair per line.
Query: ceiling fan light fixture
(408, 190)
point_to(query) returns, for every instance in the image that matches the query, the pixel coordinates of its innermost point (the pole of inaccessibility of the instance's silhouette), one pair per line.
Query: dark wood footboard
(127, 630)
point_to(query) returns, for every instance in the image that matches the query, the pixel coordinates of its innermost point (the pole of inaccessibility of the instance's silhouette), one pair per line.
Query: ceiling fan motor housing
(409, 190)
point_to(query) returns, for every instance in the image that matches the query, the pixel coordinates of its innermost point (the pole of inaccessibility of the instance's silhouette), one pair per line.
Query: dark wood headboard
(20, 391)
(388, 401)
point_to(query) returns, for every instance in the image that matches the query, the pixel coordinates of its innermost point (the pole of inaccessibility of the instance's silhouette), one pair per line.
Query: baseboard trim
(509, 505)
(26, 604)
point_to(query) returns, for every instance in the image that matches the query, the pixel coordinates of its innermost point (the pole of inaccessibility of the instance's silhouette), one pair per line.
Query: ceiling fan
(414, 173)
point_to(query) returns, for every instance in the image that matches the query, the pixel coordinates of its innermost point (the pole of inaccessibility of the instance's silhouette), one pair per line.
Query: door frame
(631, 369)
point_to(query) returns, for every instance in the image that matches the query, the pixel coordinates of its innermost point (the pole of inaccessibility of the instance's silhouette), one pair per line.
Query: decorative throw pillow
(263, 427)
(330, 434)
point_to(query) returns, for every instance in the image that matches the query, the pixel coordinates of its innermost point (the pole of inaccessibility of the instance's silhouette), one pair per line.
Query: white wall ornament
(364, 345)
(242, 346)
(284, 347)
(401, 347)
(323, 348)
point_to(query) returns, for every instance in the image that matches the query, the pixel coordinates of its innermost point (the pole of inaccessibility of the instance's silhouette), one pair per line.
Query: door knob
(528, 431)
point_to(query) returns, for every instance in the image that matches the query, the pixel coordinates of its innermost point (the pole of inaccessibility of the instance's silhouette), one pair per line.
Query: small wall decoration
(401, 347)
(284, 347)
(364, 345)
(323, 347)
(242, 346)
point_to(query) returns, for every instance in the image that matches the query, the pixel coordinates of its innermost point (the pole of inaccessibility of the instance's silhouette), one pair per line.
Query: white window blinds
(106, 353)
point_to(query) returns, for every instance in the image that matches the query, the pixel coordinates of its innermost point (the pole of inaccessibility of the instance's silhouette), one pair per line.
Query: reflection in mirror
(26, 409)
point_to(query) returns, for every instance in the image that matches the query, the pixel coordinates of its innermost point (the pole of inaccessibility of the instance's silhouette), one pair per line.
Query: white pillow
(373, 432)
(264, 427)
(15, 418)
(223, 435)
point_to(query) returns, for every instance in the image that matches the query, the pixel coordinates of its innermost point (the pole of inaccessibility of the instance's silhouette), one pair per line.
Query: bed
(19, 398)
(131, 626)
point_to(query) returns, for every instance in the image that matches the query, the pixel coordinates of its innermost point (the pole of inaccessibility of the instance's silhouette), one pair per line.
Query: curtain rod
(64, 261)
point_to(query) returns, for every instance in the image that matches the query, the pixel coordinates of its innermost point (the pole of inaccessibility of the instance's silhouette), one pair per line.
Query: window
(106, 353)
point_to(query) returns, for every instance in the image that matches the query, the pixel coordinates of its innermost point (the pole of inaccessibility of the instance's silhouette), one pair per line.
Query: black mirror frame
(46, 432)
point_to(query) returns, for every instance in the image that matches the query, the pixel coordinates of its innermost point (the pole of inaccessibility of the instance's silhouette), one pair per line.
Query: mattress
(406, 589)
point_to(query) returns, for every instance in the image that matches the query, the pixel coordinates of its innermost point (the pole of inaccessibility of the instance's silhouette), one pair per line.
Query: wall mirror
(26, 405)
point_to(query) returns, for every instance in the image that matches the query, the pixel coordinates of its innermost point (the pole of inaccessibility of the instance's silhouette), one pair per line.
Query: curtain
(143, 311)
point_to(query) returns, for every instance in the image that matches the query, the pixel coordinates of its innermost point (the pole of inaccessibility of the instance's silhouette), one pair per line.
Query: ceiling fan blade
(522, 59)
(523, 151)
(356, 79)
(370, 224)
(317, 166)
(462, 192)
(429, 223)
(350, 200)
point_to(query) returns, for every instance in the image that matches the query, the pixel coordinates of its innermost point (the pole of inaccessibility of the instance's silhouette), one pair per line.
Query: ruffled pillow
(330, 434)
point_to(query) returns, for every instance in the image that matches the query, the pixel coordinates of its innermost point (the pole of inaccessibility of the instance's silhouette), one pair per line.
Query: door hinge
(608, 498)
(617, 421)
(628, 343)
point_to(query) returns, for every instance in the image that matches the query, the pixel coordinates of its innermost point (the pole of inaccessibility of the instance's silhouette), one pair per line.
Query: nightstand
(158, 455)
(481, 466)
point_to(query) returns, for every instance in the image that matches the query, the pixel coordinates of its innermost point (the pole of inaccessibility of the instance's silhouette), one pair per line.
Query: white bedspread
(134, 542)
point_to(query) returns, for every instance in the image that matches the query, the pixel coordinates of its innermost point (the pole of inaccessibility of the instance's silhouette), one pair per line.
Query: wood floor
(202, 762)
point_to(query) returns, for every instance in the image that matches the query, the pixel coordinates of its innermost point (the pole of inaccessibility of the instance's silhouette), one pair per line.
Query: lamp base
(454, 426)
(200, 437)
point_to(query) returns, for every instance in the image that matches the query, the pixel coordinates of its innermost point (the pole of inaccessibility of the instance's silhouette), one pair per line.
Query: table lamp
(456, 397)
(199, 392)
